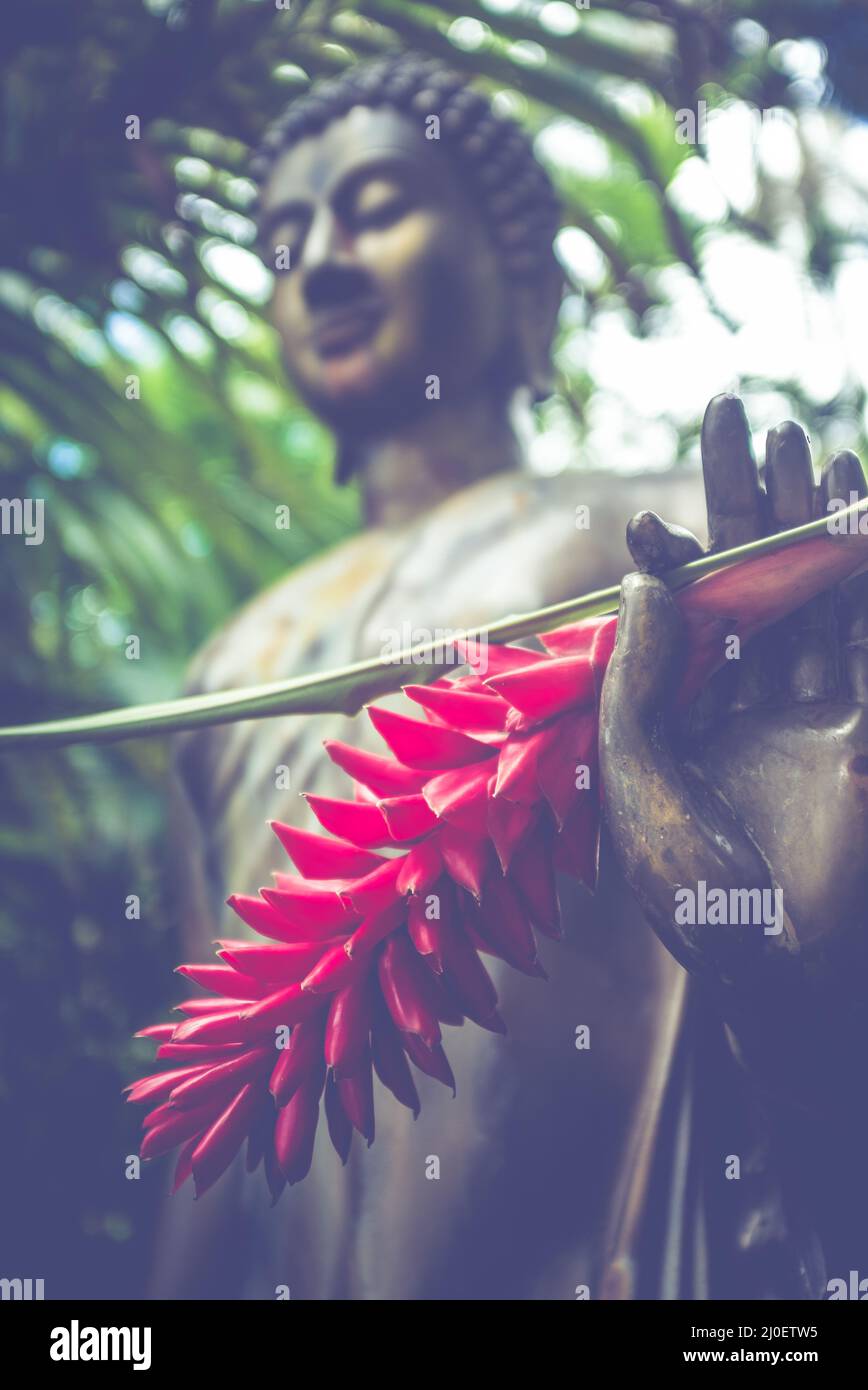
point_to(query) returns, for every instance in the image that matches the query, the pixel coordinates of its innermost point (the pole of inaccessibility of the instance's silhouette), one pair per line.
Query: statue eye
(379, 202)
(282, 248)
(287, 248)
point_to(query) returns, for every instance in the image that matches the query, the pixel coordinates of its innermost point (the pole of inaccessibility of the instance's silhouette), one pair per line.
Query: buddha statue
(410, 231)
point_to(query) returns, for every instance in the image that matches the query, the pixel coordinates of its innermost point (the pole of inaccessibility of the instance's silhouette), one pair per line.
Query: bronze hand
(765, 788)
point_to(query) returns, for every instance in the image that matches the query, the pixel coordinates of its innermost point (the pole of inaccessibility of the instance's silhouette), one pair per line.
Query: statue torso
(529, 1148)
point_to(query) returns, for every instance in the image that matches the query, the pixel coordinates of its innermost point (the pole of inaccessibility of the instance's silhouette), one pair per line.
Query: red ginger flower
(366, 955)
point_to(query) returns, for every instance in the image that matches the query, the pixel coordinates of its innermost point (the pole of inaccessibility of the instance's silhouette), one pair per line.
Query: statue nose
(326, 243)
(330, 272)
(333, 283)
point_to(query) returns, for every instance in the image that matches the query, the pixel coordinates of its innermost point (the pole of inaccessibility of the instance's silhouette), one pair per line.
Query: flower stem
(347, 689)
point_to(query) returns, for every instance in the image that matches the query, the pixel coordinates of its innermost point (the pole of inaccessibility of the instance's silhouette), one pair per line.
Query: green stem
(349, 688)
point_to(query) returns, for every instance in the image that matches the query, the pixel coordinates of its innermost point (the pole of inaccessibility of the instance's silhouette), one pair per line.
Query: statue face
(392, 274)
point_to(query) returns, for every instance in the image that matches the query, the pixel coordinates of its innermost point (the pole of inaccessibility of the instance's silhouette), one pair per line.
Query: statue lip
(341, 330)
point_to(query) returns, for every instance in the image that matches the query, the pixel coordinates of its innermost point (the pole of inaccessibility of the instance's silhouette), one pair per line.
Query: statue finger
(670, 832)
(733, 496)
(648, 648)
(657, 547)
(843, 482)
(803, 647)
(789, 477)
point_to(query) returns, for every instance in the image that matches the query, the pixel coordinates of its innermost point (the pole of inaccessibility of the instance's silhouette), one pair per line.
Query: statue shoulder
(519, 540)
(572, 500)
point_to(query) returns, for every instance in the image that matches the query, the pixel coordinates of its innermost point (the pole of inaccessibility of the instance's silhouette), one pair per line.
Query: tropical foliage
(141, 397)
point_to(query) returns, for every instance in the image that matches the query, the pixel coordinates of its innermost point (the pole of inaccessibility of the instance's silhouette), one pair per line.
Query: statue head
(410, 230)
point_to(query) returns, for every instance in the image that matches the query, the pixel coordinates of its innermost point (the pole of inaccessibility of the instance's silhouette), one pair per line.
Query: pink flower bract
(446, 852)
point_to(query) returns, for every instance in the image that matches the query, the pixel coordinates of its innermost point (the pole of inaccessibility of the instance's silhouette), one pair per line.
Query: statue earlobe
(537, 302)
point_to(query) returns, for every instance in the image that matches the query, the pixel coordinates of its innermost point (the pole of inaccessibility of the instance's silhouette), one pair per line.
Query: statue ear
(537, 302)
